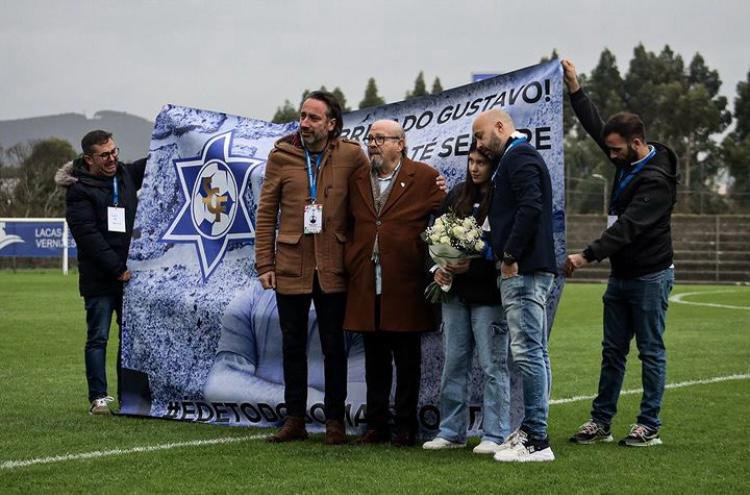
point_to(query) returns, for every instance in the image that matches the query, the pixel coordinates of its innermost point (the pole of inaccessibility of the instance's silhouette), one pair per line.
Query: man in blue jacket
(100, 210)
(520, 221)
(638, 243)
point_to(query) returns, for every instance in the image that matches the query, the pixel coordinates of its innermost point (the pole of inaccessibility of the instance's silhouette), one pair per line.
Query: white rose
(479, 245)
(445, 240)
(459, 231)
(471, 235)
(435, 238)
(468, 222)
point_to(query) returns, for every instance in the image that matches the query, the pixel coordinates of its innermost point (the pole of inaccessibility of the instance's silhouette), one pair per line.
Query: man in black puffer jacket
(101, 202)
(638, 243)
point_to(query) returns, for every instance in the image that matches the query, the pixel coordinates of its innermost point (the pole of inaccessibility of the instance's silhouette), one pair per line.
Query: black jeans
(293, 313)
(382, 350)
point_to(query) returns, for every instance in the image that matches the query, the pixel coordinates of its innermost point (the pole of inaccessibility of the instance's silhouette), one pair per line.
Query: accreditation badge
(611, 219)
(313, 219)
(115, 219)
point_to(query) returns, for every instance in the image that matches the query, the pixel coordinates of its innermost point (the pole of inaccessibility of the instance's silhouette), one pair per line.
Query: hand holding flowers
(452, 242)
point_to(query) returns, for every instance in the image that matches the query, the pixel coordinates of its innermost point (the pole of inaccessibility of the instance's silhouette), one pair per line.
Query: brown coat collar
(401, 183)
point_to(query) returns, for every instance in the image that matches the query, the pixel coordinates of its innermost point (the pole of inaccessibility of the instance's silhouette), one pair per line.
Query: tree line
(289, 112)
(679, 102)
(681, 106)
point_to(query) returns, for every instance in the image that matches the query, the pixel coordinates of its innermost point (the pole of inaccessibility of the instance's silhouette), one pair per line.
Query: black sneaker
(641, 436)
(592, 432)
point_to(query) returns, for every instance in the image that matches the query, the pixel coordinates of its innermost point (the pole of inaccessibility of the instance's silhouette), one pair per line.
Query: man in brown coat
(306, 181)
(391, 203)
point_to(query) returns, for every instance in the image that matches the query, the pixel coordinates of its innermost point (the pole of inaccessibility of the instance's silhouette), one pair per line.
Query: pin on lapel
(403, 185)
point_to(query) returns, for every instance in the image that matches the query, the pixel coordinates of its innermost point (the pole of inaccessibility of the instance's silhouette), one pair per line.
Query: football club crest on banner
(214, 212)
(211, 350)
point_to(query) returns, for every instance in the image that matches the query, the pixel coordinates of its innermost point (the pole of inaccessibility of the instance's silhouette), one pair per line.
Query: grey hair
(402, 135)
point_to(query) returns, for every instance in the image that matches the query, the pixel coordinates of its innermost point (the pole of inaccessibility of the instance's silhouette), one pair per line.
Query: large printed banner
(201, 338)
(34, 238)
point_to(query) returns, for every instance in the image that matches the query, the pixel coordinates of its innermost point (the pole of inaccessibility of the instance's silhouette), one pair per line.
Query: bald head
(492, 117)
(386, 144)
(388, 126)
(492, 129)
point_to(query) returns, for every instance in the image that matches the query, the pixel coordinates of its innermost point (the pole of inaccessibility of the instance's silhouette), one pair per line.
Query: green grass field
(706, 433)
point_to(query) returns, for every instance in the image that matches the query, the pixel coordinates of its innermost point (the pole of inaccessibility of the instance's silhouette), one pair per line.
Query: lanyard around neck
(312, 180)
(115, 191)
(516, 141)
(624, 179)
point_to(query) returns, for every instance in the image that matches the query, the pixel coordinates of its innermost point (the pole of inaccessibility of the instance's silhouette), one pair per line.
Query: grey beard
(377, 162)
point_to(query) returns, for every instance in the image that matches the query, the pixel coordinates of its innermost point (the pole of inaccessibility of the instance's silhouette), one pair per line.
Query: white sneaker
(441, 443)
(527, 451)
(487, 447)
(514, 438)
(101, 405)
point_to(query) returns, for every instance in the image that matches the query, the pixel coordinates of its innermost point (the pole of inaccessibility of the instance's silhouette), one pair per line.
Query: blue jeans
(524, 302)
(634, 307)
(466, 327)
(99, 311)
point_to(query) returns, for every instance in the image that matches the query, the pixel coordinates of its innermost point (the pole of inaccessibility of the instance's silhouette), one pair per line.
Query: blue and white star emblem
(214, 212)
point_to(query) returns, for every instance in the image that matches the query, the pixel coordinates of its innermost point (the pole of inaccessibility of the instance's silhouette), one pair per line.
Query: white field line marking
(116, 452)
(678, 298)
(195, 443)
(689, 383)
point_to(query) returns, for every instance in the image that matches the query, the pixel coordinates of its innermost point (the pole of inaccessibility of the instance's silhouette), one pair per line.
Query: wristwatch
(508, 258)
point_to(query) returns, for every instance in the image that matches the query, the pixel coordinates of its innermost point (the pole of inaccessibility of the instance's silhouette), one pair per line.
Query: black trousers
(382, 351)
(293, 319)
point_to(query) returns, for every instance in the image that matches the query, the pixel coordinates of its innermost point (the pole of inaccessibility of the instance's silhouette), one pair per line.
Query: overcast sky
(246, 57)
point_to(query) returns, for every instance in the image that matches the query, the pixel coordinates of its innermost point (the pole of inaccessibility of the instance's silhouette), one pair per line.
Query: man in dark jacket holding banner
(520, 221)
(638, 243)
(101, 202)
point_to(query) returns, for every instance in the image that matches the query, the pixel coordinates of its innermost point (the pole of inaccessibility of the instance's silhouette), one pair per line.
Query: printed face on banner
(201, 338)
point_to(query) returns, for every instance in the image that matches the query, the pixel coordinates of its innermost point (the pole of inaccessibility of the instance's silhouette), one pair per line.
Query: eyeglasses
(379, 140)
(106, 155)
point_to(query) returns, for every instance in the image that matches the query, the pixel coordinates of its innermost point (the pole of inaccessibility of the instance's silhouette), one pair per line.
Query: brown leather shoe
(372, 436)
(335, 432)
(293, 429)
(404, 438)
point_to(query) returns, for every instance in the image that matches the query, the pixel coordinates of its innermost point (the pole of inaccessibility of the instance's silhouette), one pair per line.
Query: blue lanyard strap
(311, 178)
(624, 179)
(516, 142)
(511, 145)
(115, 191)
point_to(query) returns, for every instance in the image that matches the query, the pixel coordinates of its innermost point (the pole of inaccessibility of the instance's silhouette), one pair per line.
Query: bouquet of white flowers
(452, 239)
